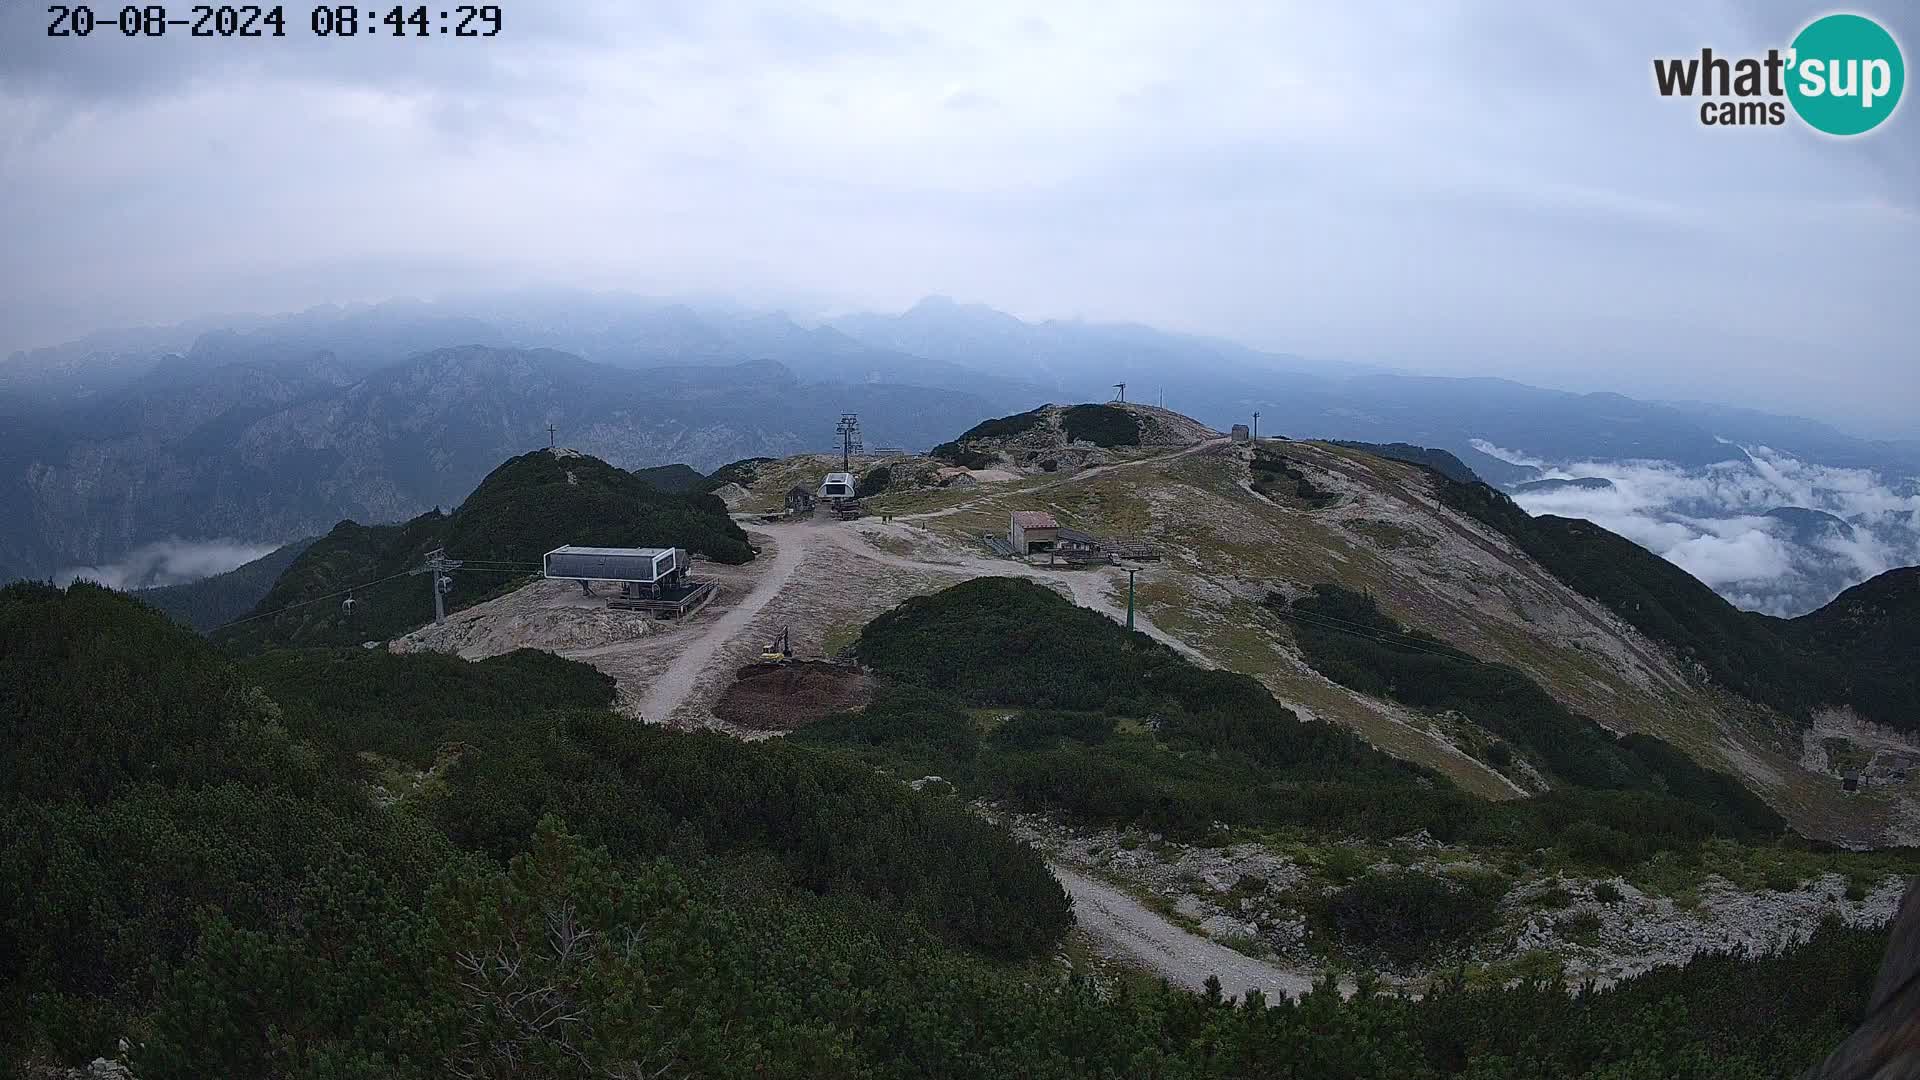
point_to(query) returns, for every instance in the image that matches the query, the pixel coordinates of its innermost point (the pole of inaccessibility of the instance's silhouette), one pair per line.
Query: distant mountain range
(267, 429)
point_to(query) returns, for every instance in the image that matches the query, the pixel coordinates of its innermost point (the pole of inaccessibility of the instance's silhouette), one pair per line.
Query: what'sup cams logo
(1842, 75)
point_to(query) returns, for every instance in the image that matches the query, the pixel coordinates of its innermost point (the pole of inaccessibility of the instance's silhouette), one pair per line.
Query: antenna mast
(1122, 387)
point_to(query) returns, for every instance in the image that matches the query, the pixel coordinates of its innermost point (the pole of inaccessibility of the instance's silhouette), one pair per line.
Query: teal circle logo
(1846, 74)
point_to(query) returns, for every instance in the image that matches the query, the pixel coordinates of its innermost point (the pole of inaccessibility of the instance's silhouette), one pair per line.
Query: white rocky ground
(1638, 932)
(551, 615)
(1635, 932)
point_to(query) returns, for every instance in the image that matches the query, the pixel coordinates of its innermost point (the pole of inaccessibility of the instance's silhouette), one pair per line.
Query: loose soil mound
(781, 697)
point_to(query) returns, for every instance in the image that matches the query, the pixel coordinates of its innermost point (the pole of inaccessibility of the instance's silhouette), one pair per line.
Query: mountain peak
(946, 307)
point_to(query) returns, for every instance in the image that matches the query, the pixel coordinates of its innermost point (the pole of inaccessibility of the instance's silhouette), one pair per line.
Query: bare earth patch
(785, 696)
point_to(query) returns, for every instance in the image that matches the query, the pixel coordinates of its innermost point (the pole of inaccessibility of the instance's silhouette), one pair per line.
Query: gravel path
(671, 689)
(1137, 933)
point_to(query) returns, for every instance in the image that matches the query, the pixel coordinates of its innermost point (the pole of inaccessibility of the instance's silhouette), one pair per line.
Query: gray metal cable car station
(651, 579)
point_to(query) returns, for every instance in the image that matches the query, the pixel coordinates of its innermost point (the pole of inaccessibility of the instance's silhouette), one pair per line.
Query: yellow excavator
(781, 650)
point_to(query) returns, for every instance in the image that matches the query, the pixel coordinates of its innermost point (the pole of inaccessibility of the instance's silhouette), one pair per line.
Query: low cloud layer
(166, 562)
(1771, 533)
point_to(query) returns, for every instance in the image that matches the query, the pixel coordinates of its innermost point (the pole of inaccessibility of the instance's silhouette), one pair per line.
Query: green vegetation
(215, 601)
(675, 478)
(1657, 597)
(743, 472)
(1753, 867)
(163, 815)
(1439, 461)
(1405, 917)
(1275, 475)
(1005, 427)
(1220, 746)
(532, 737)
(1111, 727)
(187, 865)
(1348, 639)
(954, 454)
(523, 509)
(1390, 535)
(1867, 638)
(1101, 425)
(1844, 756)
(351, 703)
(1857, 650)
(536, 502)
(74, 665)
(875, 481)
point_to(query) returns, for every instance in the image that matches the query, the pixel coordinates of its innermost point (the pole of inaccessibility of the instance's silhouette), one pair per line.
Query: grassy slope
(1431, 569)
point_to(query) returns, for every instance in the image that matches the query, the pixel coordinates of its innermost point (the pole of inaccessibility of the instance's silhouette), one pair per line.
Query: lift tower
(437, 566)
(849, 432)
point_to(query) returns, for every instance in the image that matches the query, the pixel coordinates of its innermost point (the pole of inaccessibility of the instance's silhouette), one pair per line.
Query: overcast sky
(1489, 188)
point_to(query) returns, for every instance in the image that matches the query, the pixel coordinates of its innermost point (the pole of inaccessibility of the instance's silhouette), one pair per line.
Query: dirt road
(670, 690)
(1141, 935)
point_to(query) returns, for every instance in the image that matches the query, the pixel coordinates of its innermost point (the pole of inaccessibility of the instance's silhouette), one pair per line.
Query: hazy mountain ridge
(268, 428)
(286, 446)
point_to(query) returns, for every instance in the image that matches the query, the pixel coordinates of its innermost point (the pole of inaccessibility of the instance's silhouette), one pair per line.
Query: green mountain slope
(1855, 651)
(1107, 726)
(1871, 633)
(1610, 632)
(523, 509)
(1345, 636)
(1439, 461)
(675, 478)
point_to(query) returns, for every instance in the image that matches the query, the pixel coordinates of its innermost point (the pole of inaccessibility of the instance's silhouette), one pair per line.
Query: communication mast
(849, 432)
